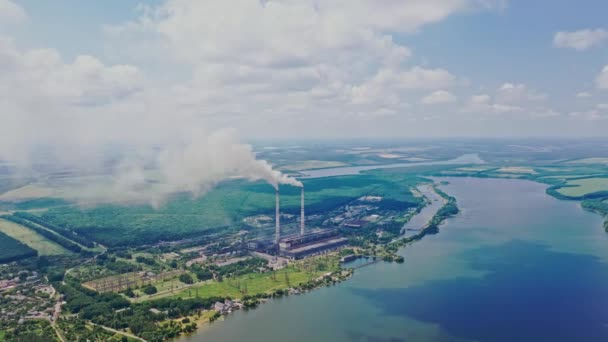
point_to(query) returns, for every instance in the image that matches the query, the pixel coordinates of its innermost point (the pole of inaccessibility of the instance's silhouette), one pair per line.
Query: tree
(129, 293)
(150, 290)
(186, 278)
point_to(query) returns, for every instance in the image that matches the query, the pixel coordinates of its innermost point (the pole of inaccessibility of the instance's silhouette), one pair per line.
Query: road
(118, 332)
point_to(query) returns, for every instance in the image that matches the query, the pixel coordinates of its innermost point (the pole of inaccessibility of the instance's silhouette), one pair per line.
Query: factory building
(300, 245)
(310, 244)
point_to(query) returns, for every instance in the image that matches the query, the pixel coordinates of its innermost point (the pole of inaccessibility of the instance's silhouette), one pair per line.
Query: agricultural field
(582, 187)
(313, 164)
(593, 160)
(517, 169)
(29, 191)
(31, 238)
(12, 249)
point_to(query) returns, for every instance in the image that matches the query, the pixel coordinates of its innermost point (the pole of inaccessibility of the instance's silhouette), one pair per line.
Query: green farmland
(582, 187)
(31, 238)
(11, 249)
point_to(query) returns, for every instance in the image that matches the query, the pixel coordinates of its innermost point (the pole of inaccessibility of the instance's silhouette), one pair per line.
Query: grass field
(254, 283)
(30, 238)
(12, 249)
(517, 169)
(581, 187)
(313, 164)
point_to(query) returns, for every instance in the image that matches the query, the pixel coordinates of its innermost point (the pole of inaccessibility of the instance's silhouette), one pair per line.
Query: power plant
(302, 244)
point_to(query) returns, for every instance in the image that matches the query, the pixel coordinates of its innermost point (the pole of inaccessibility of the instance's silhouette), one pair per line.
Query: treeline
(239, 268)
(67, 233)
(58, 239)
(447, 210)
(599, 206)
(13, 250)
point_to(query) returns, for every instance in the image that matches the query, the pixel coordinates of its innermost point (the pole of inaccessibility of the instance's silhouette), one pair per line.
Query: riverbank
(447, 209)
(522, 240)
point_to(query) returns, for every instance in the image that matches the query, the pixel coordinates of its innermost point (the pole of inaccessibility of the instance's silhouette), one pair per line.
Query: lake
(514, 265)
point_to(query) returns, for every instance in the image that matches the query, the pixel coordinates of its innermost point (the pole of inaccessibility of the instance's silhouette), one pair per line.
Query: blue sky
(129, 70)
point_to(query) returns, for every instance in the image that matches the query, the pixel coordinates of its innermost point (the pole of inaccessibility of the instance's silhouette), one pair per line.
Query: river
(472, 158)
(421, 220)
(514, 265)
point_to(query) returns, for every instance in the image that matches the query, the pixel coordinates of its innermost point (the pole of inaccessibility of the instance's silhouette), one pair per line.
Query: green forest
(220, 211)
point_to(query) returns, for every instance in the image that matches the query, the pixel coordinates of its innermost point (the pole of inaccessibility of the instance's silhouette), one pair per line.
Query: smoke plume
(193, 165)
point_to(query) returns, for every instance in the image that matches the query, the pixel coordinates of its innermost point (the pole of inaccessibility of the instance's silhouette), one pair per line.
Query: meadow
(583, 187)
(263, 283)
(29, 238)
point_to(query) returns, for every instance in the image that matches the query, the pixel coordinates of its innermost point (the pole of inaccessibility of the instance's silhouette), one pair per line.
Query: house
(220, 307)
(158, 312)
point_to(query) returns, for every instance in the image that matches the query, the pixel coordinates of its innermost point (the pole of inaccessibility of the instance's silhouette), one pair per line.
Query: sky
(75, 73)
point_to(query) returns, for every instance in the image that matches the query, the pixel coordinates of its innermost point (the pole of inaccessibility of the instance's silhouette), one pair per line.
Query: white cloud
(512, 98)
(517, 93)
(389, 85)
(483, 104)
(541, 113)
(299, 58)
(589, 115)
(602, 106)
(580, 40)
(438, 97)
(11, 12)
(602, 79)
(58, 100)
(583, 95)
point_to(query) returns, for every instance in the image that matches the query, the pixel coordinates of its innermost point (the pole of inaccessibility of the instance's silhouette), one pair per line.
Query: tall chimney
(277, 220)
(302, 212)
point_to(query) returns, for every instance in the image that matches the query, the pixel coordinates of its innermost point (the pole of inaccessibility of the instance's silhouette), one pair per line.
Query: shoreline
(431, 227)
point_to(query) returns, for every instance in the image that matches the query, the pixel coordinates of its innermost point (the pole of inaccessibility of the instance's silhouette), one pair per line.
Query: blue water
(515, 265)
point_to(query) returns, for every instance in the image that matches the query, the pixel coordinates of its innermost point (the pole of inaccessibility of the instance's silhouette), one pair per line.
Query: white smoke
(191, 165)
(206, 160)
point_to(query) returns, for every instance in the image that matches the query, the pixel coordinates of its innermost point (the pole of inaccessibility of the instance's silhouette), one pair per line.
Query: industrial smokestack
(302, 212)
(277, 219)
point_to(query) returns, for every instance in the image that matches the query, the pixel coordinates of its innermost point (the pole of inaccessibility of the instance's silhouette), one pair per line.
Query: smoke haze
(194, 164)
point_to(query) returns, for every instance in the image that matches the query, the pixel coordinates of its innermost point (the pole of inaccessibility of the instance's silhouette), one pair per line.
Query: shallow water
(515, 265)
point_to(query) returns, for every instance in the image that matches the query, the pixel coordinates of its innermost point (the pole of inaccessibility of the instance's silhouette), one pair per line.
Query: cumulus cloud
(276, 66)
(294, 58)
(589, 115)
(580, 40)
(515, 99)
(602, 79)
(387, 85)
(583, 95)
(438, 97)
(517, 93)
(11, 12)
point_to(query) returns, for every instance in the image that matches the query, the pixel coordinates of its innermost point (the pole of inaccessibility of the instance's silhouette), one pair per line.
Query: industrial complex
(302, 245)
